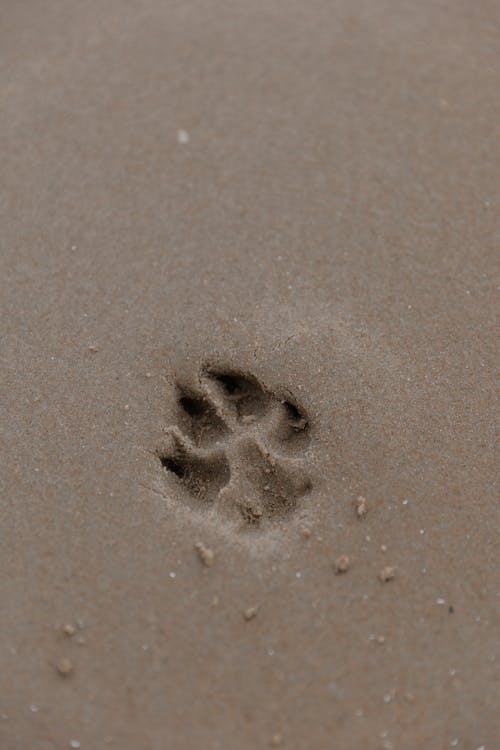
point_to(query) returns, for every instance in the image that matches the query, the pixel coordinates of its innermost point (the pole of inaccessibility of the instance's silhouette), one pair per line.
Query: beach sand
(246, 278)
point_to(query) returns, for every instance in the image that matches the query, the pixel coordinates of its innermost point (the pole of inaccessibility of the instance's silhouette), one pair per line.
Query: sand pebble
(250, 613)
(276, 740)
(64, 667)
(74, 744)
(342, 564)
(361, 507)
(93, 348)
(182, 136)
(386, 574)
(68, 629)
(306, 533)
(205, 554)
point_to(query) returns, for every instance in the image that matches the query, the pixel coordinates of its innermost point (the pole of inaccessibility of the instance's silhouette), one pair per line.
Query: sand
(246, 278)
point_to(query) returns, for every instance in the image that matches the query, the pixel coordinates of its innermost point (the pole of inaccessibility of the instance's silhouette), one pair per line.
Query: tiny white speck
(270, 652)
(298, 574)
(405, 501)
(145, 647)
(172, 574)
(439, 600)
(387, 698)
(73, 247)
(454, 742)
(422, 531)
(183, 136)
(74, 743)
(34, 708)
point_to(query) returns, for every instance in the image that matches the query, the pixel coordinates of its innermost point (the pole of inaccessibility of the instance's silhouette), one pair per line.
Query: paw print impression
(237, 450)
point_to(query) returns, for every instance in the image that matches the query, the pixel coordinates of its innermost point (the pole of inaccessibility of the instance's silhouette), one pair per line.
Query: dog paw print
(237, 449)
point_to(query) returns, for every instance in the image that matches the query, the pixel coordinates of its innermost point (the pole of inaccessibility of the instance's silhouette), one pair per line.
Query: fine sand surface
(246, 277)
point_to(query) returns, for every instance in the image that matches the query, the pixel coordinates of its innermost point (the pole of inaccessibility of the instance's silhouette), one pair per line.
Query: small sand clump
(68, 629)
(361, 507)
(342, 564)
(250, 613)
(64, 667)
(205, 554)
(387, 574)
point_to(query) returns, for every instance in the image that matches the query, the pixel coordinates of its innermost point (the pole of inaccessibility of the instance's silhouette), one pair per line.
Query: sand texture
(247, 300)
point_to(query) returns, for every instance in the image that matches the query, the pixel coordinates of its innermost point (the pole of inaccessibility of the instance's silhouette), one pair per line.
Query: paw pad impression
(236, 451)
